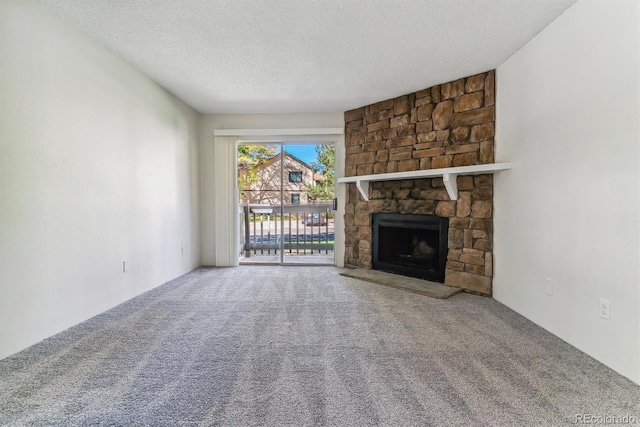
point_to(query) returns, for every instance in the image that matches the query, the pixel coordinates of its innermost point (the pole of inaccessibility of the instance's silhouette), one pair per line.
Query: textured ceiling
(284, 56)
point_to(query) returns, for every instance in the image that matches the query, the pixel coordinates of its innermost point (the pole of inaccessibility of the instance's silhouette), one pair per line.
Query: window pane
(295, 176)
(295, 199)
(259, 174)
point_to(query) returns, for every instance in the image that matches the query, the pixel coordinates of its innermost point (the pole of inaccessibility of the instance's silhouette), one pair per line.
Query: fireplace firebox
(410, 245)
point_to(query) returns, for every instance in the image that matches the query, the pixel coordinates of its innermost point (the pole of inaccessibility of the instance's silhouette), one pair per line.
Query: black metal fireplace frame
(420, 222)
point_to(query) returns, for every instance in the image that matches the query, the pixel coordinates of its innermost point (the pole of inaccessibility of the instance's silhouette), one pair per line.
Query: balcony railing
(297, 229)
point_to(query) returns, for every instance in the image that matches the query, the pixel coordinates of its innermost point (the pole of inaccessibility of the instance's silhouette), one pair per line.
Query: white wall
(568, 118)
(98, 165)
(210, 207)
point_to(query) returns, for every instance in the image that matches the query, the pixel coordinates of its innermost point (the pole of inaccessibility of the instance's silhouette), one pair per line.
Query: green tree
(325, 165)
(249, 158)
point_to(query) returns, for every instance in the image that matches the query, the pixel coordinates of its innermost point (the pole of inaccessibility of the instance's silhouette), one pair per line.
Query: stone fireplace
(448, 125)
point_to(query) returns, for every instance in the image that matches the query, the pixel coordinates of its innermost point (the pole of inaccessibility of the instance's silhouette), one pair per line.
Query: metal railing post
(255, 234)
(247, 242)
(261, 236)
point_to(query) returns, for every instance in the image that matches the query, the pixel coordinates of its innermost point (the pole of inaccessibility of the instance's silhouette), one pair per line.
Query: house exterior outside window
(295, 199)
(266, 189)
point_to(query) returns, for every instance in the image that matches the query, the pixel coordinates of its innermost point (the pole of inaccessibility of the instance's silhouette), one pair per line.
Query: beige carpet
(273, 346)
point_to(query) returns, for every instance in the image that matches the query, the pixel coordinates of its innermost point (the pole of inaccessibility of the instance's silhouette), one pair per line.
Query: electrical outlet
(605, 309)
(125, 266)
(549, 287)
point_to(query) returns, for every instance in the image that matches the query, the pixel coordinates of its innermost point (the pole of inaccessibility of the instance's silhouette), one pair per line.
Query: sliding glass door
(286, 197)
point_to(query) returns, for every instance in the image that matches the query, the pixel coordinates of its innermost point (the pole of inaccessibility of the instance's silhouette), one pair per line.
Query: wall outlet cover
(549, 287)
(605, 309)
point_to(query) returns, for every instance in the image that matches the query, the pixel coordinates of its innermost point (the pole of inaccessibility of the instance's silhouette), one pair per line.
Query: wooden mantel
(449, 176)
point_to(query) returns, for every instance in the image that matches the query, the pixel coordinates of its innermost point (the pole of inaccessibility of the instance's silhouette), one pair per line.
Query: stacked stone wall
(448, 125)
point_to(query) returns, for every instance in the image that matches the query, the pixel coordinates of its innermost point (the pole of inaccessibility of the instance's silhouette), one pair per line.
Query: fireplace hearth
(411, 245)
